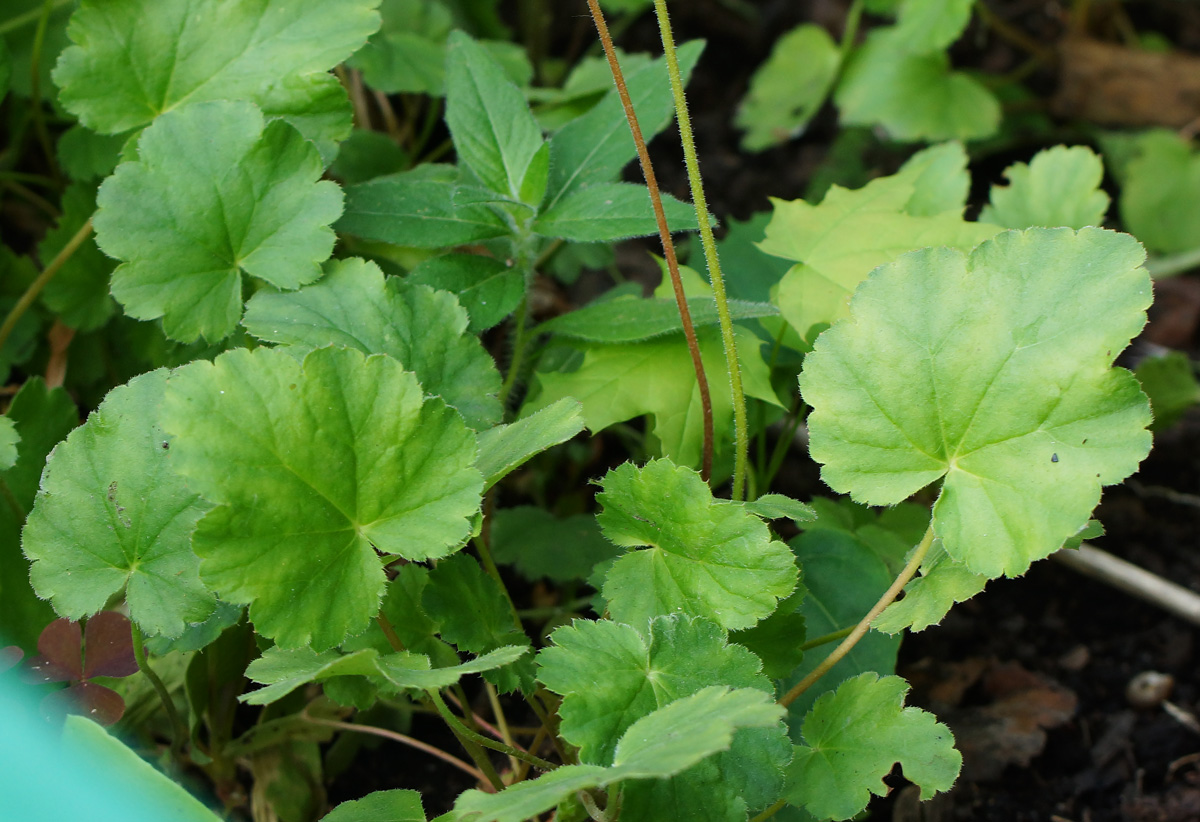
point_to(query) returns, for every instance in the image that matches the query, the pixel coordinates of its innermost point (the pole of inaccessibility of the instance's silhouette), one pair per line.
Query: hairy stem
(664, 233)
(462, 730)
(741, 438)
(178, 730)
(35, 287)
(860, 630)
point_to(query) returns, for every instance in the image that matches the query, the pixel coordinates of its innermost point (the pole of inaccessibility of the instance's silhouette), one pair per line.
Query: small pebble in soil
(1148, 689)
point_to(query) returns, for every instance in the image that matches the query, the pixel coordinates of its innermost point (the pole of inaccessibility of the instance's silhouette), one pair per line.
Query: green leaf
(112, 516)
(315, 105)
(494, 133)
(839, 242)
(939, 178)
(135, 61)
(778, 640)
(1160, 201)
(78, 294)
(86, 156)
(619, 382)
(993, 374)
(315, 467)
(402, 608)
(756, 272)
(701, 557)
(379, 806)
(42, 418)
(9, 439)
(214, 195)
(488, 288)
(789, 88)
(778, 506)
(913, 96)
(505, 448)
(1059, 187)
(924, 26)
(1170, 383)
(413, 671)
(365, 155)
(633, 320)
(418, 209)
(5, 70)
(408, 52)
(283, 670)
(929, 597)
(852, 739)
(425, 330)
(595, 147)
(19, 20)
(610, 211)
(542, 545)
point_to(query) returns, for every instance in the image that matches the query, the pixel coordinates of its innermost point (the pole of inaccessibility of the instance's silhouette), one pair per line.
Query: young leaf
(494, 133)
(212, 195)
(134, 61)
(488, 288)
(413, 671)
(418, 209)
(992, 373)
(852, 739)
(78, 294)
(1160, 201)
(929, 597)
(379, 806)
(283, 670)
(610, 211)
(506, 448)
(627, 320)
(354, 306)
(913, 96)
(924, 26)
(778, 506)
(619, 382)
(112, 516)
(315, 467)
(542, 545)
(789, 88)
(1059, 187)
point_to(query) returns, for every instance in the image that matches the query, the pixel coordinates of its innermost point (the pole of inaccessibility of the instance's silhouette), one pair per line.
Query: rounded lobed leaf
(315, 467)
(993, 373)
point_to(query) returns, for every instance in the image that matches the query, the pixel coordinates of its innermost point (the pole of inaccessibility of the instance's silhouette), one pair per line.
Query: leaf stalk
(35, 287)
(178, 730)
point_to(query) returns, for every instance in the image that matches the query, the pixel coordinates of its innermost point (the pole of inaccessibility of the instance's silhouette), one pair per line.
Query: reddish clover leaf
(9, 657)
(103, 648)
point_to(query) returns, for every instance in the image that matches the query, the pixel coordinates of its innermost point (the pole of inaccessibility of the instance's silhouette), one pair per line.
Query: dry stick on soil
(1138, 582)
(664, 234)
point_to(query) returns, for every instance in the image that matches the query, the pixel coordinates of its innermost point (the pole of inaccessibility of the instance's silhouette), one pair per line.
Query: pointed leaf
(992, 372)
(1059, 187)
(214, 195)
(778, 506)
(626, 320)
(315, 466)
(929, 597)
(702, 557)
(354, 306)
(400, 670)
(488, 288)
(610, 211)
(113, 516)
(505, 448)
(380, 806)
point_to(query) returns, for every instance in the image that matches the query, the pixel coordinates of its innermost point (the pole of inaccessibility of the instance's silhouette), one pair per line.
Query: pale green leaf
(527, 799)
(134, 61)
(779, 506)
(913, 96)
(595, 147)
(425, 330)
(620, 382)
(379, 806)
(78, 294)
(931, 25)
(42, 418)
(315, 467)
(939, 178)
(929, 597)
(853, 738)
(413, 671)
(1160, 200)
(505, 448)
(283, 670)
(993, 373)
(610, 211)
(1170, 383)
(789, 88)
(700, 557)
(418, 209)
(488, 288)
(542, 545)
(214, 195)
(627, 320)
(112, 516)
(1059, 187)
(9, 439)
(494, 133)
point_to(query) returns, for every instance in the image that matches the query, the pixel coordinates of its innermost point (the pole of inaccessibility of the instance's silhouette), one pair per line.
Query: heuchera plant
(298, 479)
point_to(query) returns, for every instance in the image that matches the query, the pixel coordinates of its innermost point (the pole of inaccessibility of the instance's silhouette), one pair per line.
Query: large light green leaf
(425, 330)
(494, 133)
(315, 467)
(78, 294)
(1059, 187)
(668, 741)
(620, 382)
(133, 61)
(42, 418)
(853, 738)
(913, 96)
(992, 373)
(610, 211)
(838, 242)
(700, 557)
(789, 88)
(214, 195)
(112, 516)
(1160, 201)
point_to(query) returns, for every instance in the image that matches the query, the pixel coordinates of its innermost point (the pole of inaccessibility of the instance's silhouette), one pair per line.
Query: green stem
(178, 729)
(389, 633)
(741, 440)
(664, 234)
(523, 245)
(826, 638)
(35, 89)
(860, 630)
(35, 288)
(1160, 267)
(771, 811)
(782, 446)
(459, 728)
(30, 16)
